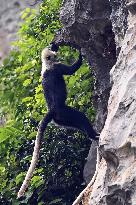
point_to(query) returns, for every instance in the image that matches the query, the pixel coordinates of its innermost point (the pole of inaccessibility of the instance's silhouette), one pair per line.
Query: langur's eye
(48, 57)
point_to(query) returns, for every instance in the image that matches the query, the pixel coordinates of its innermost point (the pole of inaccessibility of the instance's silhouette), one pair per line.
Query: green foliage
(58, 176)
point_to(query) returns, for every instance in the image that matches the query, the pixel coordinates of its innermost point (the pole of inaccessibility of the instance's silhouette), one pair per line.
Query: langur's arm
(65, 69)
(69, 70)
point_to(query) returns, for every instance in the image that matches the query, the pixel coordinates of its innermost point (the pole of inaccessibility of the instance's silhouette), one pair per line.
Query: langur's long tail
(42, 126)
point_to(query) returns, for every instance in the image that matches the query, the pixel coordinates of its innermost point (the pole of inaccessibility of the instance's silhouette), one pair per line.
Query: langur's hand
(54, 46)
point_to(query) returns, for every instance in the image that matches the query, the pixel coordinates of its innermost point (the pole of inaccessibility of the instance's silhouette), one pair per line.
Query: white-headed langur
(55, 93)
(54, 88)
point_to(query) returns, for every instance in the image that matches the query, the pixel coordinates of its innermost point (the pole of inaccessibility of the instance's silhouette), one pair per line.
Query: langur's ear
(54, 46)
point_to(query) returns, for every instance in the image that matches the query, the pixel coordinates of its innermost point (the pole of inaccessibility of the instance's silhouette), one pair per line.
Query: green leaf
(2, 169)
(32, 135)
(27, 82)
(20, 177)
(5, 133)
(27, 99)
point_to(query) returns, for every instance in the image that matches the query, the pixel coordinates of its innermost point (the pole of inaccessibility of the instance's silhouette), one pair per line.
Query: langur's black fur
(55, 93)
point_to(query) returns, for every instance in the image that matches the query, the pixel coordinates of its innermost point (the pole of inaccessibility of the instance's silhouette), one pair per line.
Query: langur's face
(48, 55)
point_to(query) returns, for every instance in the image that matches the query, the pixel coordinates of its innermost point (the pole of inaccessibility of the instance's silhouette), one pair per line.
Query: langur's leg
(69, 117)
(47, 118)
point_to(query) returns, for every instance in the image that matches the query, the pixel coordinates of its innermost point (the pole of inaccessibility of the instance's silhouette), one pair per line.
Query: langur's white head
(48, 55)
(48, 58)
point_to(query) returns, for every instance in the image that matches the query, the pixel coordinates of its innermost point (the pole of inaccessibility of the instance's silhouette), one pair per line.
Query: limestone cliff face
(106, 30)
(10, 12)
(87, 24)
(116, 185)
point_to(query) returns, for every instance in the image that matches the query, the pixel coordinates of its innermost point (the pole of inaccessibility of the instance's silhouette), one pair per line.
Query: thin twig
(79, 198)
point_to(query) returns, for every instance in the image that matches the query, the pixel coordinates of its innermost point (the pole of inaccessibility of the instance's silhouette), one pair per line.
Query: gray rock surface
(87, 24)
(119, 21)
(116, 184)
(90, 166)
